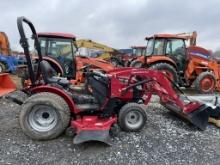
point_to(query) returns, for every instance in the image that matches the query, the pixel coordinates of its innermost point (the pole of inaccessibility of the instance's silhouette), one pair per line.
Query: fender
(55, 62)
(60, 92)
(160, 58)
(148, 60)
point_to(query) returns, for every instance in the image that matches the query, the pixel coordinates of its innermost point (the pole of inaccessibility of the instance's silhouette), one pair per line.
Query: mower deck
(92, 128)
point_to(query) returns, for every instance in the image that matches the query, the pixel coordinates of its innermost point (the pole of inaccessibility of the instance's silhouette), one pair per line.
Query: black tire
(44, 108)
(2, 67)
(132, 109)
(70, 132)
(136, 64)
(114, 130)
(210, 76)
(167, 67)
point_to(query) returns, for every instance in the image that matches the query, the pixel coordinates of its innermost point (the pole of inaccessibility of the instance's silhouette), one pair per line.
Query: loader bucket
(198, 117)
(6, 84)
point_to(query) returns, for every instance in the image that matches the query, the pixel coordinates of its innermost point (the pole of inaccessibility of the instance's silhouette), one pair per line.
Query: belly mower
(108, 102)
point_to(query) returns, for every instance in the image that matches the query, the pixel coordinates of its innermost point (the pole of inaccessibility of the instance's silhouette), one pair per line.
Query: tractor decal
(200, 54)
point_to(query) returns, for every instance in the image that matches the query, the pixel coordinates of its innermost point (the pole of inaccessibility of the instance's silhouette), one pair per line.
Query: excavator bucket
(6, 84)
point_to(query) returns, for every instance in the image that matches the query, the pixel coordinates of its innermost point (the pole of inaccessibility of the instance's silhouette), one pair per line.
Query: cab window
(175, 46)
(159, 46)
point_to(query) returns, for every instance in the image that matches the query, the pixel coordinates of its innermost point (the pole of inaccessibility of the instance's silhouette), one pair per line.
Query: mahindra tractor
(188, 66)
(111, 102)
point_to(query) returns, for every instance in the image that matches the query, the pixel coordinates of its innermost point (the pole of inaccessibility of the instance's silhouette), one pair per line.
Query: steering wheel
(85, 68)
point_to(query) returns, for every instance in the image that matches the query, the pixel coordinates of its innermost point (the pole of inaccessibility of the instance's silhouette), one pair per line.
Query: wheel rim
(43, 118)
(207, 84)
(134, 119)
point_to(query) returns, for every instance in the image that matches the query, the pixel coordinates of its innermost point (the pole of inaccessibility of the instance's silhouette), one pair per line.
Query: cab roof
(56, 34)
(138, 47)
(175, 36)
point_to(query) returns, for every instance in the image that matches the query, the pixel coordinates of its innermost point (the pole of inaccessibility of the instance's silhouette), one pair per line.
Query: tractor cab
(138, 50)
(60, 47)
(169, 45)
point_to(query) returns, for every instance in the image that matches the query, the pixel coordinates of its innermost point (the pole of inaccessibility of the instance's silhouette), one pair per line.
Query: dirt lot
(164, 140)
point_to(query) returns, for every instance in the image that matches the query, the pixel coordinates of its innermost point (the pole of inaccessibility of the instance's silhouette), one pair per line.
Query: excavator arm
(90, 45)
(94, 45)
(190, 36)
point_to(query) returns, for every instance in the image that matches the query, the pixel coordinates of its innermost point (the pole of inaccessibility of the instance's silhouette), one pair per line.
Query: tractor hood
(196, 51)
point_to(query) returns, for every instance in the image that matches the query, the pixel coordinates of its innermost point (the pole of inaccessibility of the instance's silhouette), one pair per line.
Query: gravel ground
(164, 140)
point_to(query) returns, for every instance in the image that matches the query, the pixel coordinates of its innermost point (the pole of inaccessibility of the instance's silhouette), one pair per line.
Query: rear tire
(205, 83)
(171, 71)
(44, 116)
(132, 117)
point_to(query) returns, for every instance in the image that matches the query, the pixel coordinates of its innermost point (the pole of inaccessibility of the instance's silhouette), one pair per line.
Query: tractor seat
(83, 99)
(48, 74)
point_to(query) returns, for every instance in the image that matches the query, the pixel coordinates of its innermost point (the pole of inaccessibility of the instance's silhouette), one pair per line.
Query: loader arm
(156, 82)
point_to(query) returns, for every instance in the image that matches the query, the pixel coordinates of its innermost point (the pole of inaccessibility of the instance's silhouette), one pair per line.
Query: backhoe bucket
(6, 84)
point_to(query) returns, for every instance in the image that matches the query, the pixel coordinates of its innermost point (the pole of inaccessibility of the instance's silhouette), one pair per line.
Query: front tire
(132, 117)
(205, 83)
(44, 116)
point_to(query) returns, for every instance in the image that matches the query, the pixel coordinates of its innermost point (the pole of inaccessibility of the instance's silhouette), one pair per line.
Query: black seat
(49, 73)
(84, 99)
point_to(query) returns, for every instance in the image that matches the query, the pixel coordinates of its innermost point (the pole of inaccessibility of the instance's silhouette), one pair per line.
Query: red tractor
(109, 101)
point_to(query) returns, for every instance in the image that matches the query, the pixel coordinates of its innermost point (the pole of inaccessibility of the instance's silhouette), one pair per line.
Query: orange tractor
(186, 65)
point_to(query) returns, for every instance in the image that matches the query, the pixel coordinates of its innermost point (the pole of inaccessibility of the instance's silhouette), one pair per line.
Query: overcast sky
(117, 23)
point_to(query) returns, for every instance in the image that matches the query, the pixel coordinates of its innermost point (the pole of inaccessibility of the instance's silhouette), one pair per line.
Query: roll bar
(25, 46)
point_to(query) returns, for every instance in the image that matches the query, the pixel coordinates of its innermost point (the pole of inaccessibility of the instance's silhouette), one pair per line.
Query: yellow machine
(105, 52)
